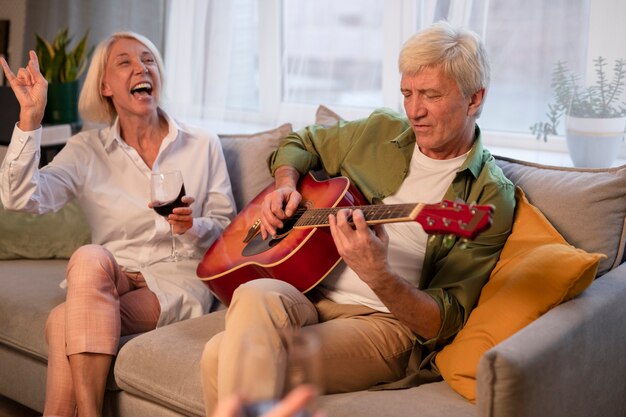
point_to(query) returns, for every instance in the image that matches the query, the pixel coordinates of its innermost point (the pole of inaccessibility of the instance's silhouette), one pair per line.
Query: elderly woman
(118, 285)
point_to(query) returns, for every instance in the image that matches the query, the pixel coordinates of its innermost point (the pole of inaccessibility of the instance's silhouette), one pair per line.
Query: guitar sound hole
(257, 245)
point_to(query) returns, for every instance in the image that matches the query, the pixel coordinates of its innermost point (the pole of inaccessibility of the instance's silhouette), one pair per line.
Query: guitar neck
(375, 214)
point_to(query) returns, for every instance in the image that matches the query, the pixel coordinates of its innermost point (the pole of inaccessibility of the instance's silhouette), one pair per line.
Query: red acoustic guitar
(303, 252)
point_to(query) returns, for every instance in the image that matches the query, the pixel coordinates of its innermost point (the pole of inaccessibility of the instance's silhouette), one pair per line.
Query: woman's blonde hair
(92, 105)
(460, 53)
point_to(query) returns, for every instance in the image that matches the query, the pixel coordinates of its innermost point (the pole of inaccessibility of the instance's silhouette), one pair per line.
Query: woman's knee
(91, 254)
(87, 260)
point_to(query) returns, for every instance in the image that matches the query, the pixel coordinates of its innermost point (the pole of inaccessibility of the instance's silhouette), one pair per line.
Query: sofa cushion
(177, 385)
(587, 206)
(537, 270)
(50, 235)
(30, 289)
(163, 365)
(435, 399)
(246, 158)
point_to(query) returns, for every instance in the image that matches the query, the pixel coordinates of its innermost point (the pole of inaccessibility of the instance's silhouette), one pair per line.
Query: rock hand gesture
(30, 88)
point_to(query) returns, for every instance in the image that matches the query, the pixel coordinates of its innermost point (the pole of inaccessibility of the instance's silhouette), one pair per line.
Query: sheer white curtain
(342, 54)
(332, 52)
(275, 60)
(198, 57)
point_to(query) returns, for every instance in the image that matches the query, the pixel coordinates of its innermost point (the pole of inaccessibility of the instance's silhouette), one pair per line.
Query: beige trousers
(103, 302)
(360, 346)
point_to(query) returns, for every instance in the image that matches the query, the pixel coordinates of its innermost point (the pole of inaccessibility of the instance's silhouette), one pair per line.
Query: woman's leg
(60, 399)
(83, 333)
(139, 312)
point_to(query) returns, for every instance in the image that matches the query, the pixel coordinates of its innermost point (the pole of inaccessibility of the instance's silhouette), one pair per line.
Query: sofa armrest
(569, 362)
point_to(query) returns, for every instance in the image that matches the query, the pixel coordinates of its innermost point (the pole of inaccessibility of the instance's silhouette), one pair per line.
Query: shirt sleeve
(455, 274)
(316, 147)
(22, 187)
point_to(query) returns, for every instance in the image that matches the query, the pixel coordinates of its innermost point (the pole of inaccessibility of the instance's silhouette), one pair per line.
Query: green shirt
(374, 153)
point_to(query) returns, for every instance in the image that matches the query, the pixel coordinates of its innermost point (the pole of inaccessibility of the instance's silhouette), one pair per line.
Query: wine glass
(166, 192)
(266, 374)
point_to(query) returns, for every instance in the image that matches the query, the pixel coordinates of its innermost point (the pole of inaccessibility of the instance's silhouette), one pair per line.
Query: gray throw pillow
(246, 158)
(586, 205)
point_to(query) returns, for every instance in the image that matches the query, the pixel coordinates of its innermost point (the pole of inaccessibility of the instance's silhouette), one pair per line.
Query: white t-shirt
(427, 182)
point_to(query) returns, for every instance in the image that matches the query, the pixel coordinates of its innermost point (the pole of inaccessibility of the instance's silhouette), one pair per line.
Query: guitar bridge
(253, 231)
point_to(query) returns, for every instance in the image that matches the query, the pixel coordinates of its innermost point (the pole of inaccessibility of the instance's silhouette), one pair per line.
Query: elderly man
(397, 297)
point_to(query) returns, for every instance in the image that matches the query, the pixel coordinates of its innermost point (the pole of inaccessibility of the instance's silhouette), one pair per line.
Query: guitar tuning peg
(431, 239)
(458, 203)
(464, 243)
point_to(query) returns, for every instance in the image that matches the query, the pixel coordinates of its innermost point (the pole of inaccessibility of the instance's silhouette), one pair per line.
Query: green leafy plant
(58, 64)
(600, 100)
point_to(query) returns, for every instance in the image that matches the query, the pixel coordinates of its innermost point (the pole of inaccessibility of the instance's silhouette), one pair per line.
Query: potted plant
(595, 117)
(62, 69)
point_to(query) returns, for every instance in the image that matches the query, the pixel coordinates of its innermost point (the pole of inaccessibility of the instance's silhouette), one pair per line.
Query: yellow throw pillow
(537, 270)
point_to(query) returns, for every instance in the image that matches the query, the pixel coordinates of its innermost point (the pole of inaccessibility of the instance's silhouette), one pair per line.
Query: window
(269, 61)
(333, 52)
(525, 39)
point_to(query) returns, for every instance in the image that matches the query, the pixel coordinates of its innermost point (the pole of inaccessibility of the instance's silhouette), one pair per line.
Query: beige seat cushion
(164, 365)
(30, 289)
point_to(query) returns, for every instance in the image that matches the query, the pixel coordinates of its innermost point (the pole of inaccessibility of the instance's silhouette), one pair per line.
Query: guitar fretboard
(373, 214)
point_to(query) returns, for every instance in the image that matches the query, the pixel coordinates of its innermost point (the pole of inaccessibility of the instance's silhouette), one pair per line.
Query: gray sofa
(568, 362)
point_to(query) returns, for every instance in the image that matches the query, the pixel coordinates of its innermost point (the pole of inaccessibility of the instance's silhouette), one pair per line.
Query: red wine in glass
(166, 208)
(166, 192)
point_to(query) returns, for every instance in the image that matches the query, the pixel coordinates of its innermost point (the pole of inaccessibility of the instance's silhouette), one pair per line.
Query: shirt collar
(474, 162)
(114, 136)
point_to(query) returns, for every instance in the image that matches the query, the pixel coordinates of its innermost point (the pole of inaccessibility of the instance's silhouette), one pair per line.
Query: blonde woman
(117, 285)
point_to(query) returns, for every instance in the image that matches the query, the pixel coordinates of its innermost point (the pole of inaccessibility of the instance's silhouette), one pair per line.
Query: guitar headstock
(448, 217)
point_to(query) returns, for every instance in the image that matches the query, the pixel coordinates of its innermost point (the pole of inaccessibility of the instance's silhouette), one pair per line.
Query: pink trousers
(103, 303)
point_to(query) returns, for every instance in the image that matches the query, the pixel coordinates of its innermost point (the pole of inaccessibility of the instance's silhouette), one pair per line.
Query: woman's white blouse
(111, 183)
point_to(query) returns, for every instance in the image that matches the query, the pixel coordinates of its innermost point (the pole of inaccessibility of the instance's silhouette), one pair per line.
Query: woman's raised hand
(31, 89)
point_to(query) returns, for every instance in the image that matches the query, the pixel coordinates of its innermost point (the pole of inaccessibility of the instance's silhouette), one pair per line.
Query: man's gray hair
(459, 52)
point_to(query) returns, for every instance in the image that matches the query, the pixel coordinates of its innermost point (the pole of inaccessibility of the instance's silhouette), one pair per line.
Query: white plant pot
(594, 143)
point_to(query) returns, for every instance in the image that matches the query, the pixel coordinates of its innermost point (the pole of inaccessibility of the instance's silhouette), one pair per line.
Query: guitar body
(302, 257)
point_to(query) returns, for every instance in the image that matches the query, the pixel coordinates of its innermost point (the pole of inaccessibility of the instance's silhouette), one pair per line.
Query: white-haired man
(398, 297)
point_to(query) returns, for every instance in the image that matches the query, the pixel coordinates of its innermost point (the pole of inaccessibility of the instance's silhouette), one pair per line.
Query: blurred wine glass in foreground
(267, 373)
